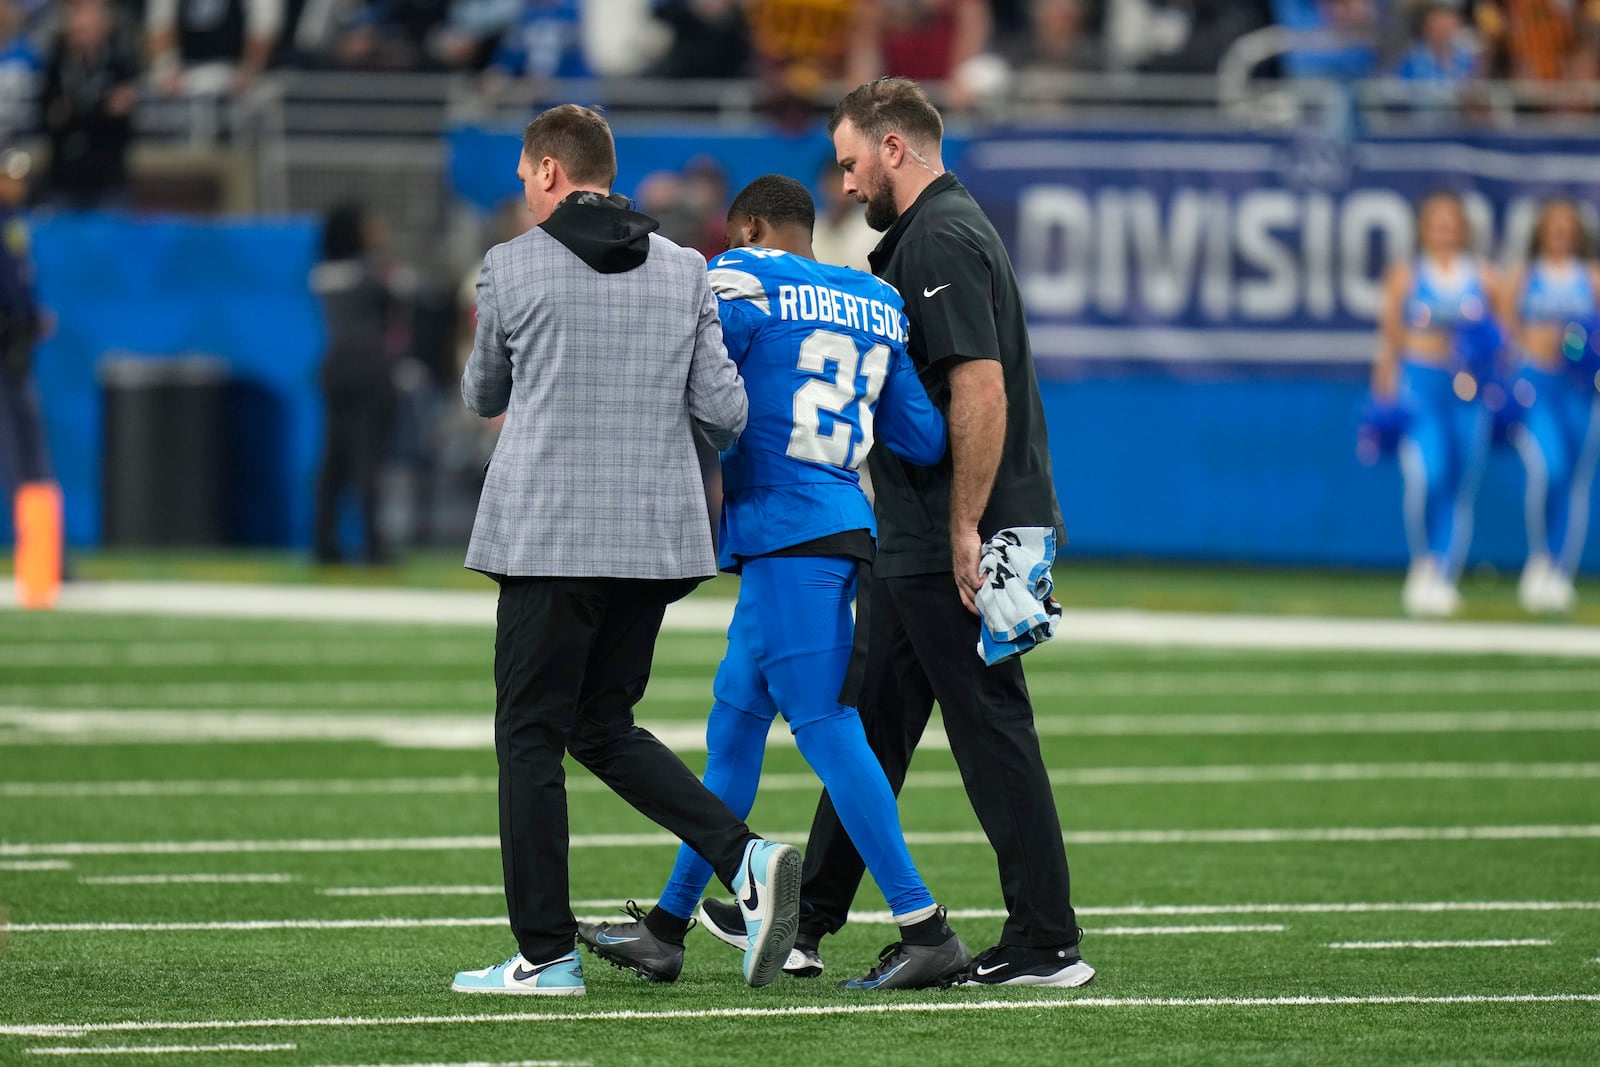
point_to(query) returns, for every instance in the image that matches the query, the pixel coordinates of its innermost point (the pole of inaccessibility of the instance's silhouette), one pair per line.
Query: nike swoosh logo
(607, 939)
(937, 289)
(522, 974)
(983, 971)
(752, 899)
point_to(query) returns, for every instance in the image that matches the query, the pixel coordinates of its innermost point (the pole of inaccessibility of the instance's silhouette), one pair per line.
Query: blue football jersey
(822, 350)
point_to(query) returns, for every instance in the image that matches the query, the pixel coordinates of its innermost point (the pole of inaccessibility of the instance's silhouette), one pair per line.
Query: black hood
(603, 231)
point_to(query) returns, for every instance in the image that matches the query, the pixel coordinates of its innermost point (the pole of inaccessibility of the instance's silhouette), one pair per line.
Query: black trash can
(163, 464)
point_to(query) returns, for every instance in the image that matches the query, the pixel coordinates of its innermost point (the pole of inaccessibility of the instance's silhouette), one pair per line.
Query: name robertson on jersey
(819, 303)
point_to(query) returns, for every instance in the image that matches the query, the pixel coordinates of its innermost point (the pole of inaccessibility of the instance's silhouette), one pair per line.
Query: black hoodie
(603, 231)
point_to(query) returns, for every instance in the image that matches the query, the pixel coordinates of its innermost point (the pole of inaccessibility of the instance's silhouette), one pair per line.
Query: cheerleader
(1549, 304)
(1430, 305)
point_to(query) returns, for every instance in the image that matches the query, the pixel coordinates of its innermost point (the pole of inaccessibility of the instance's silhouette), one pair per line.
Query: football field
(273, 841)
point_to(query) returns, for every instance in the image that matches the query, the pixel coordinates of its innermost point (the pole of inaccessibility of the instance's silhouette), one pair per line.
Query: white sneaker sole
(779, 917)
(796, 965)
(1079, 974)
(552, 991)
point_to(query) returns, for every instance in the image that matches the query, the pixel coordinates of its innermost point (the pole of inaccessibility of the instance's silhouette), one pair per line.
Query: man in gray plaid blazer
(600, 341)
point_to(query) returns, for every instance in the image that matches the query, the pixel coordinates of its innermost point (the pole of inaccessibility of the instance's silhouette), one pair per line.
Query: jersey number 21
(857, 379)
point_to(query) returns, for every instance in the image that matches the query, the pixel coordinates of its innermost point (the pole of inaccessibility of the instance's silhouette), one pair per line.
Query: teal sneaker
(560, 977)
(768, 889)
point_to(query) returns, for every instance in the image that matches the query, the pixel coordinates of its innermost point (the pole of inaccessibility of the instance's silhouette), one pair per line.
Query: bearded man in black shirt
(969, 341)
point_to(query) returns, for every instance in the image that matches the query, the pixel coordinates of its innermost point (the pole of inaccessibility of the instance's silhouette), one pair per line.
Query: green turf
(1088, 583)
(1147, 712)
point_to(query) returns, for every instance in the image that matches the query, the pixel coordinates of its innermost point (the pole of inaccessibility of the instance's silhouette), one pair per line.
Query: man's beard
(881, 212)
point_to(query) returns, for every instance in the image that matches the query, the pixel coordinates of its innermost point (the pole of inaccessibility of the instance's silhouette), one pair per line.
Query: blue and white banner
(1252, 248)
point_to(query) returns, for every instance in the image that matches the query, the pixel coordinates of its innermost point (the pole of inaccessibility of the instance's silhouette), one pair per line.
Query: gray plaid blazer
(599, 376)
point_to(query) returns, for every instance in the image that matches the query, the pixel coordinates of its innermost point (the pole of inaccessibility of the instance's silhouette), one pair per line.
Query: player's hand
(966, 549)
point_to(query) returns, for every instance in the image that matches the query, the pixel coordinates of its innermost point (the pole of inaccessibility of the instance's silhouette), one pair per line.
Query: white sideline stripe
(251, 925)
(802, 782)
(703, 614)
(926, 1007)
(187, 879)
(82, 726)
(35, 865)
(1253, 836)
(1515, 942)
(153, 1050)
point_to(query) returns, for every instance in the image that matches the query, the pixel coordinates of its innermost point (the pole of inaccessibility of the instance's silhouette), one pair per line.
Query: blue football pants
(788, 650)
(1442, 458)
(1559, 442)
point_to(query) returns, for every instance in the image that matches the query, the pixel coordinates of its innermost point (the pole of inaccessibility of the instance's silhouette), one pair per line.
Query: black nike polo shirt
(962, 299)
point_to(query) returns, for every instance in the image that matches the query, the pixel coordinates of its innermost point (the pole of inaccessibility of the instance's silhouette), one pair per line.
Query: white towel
(1014, 600)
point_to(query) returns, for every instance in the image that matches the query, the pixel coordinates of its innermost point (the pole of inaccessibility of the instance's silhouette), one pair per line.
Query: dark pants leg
(989, 720)
(572, 657)
(23, 453)
(895, 700)
(338, 447)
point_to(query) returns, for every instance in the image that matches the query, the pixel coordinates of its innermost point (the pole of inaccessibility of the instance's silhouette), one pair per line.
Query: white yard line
(152, 1050)
(496, 1063)
(1066, 680)
(805, 782)
(35, 865)
(1251, 836)
(433, 891)
(1137, 628)
(188, 879)
(1515, 942)
(94, 726)
(878, 1008)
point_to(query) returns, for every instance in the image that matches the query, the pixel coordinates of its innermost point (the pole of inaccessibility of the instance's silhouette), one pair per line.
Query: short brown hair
(577, 138)
(890, 105)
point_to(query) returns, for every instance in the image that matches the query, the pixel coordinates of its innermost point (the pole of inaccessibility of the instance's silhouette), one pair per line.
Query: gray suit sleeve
(486, 383)
(716, 392)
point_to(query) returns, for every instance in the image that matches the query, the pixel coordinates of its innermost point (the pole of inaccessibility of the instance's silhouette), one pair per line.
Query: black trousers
(571, 659)
(352, 458)
(921, 646)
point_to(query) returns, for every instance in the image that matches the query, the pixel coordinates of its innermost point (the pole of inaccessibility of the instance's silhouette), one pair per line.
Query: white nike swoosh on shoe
(936, 289)
(982, 971)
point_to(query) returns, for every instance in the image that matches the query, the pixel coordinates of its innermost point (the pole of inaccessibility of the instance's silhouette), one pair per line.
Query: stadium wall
(1201, 313)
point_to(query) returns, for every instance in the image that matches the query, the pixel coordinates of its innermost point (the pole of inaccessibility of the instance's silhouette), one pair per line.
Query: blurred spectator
(1531, 39)
(211, 47)
(928, 40)
(545, 42)
(471, 32)
(800, 47)
(1178, 36)
(1348, 38)
(24, 453)
(709, 40)
(841, 235)
(1443, 55)
(20, 64)
(86, 109)
(1055, 41)
(357, 378)
(690, 205)
(390, 34)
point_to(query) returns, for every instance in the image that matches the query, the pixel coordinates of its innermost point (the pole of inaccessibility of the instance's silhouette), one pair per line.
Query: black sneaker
(725, 922)
(903, 966)
(632, 947)
(1062, 967)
